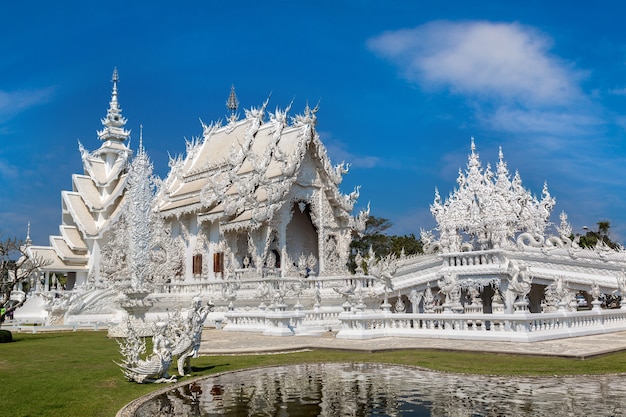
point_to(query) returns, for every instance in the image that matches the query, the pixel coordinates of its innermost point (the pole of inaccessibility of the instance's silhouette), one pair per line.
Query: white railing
(474, 258)
(522, 327)
(251, 284)
(299, 321)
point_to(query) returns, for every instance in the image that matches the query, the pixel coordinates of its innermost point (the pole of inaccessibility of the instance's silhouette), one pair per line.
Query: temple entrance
(71, 281)
(301, 232)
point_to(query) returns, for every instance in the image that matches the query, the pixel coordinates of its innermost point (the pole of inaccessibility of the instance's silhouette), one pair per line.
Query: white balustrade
(524, 327)
(283, 322)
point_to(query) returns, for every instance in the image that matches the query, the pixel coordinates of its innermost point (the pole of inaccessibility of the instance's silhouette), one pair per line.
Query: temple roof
(91, 195)
(64, 252)
(52, 261)
(73, 238)
(84, 218)
(240, 173)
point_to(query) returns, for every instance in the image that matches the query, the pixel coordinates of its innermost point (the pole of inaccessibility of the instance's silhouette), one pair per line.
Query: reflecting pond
(348, 389)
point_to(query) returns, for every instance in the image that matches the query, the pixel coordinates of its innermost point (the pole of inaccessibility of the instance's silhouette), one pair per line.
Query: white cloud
(14, 102)
(509, 61)
(618, 91)
(541, 121)
(504, 70)
(8, 171)
(621, 121)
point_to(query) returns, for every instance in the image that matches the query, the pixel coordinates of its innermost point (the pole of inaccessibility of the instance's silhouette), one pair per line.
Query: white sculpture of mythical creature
(229, 292)
(358, 261)
(449, 287)
(429, 242)
(429, 300)
(561, 291)
(400, 306)
(188, 342)
(415, 298)
(154, 367)
(621, 284)
(295, 289)
(595, 290)
(520, 281)
(551, 298)
(347, 290)
(382, 269)
(528, 239)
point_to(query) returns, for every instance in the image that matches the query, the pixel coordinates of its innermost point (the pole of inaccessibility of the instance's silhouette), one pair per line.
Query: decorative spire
(232, 104)
(29, 242)
(114, 122)
(140, 194)
(141, 138)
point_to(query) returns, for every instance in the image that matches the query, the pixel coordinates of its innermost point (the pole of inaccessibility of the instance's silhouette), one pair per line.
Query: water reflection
(386, 390)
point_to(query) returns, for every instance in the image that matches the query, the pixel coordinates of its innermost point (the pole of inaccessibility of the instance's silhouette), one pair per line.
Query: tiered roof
(240, 173)
(97, 196)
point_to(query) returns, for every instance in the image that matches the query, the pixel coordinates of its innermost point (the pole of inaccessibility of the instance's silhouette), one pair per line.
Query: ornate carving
(154, 367)
(449, 286)
(179, 336)
(489, 209)
(429, 300)
(520, 280)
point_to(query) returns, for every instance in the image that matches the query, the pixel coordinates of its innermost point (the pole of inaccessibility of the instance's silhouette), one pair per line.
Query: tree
(16, 267)
(382, 244)
(591, 238)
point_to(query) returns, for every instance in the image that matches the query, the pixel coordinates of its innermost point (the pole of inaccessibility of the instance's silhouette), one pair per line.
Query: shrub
(5, 336)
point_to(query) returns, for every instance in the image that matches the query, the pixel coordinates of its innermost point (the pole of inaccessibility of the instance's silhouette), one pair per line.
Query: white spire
(29, 242)
(141, 138)
(232, 104)
(114, 122)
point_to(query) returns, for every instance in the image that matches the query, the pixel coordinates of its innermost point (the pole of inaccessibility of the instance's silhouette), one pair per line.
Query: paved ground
(220, 342)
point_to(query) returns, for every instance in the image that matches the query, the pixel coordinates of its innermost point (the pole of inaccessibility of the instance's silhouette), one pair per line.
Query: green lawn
(73, 374)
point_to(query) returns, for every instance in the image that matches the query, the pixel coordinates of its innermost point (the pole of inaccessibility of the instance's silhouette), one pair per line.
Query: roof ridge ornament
(232, 104)
(29, 242)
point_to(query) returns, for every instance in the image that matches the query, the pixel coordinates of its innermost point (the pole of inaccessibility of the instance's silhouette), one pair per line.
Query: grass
(73, 374)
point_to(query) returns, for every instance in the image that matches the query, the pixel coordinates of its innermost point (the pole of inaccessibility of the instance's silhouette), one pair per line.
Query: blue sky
(402, 88)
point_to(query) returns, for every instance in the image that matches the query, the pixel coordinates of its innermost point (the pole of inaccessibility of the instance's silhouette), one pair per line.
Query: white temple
(93, 205)
(252, 219)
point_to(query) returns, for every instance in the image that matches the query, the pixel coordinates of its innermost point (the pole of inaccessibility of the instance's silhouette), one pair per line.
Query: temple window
(218, 262)
(197, 264)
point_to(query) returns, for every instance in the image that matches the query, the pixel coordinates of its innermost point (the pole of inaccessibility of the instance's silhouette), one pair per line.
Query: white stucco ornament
(488, 209)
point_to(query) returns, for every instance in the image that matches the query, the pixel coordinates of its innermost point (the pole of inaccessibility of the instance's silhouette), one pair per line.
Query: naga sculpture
(155, 367)
(188, 341)
(177, 337)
